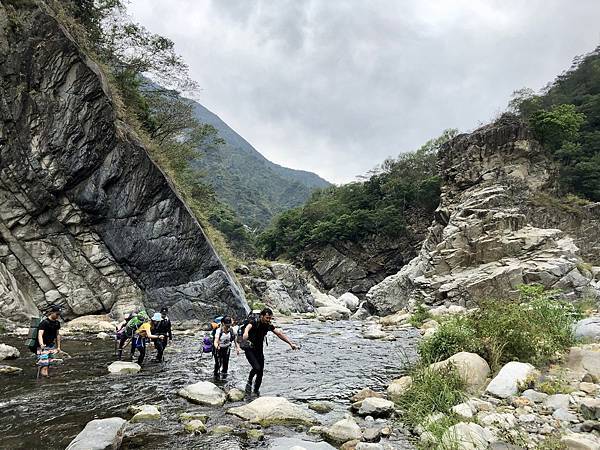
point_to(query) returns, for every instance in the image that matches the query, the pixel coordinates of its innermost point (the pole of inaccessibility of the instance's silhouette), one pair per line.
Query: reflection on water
(334, 361)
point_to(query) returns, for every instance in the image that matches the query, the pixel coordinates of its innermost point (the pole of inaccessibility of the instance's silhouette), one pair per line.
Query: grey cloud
(337, 86)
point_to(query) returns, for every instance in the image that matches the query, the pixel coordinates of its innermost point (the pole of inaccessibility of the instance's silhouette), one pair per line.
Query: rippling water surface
(334, 361)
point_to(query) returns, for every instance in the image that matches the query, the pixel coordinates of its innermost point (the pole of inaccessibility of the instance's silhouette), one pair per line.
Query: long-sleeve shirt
(164, 327)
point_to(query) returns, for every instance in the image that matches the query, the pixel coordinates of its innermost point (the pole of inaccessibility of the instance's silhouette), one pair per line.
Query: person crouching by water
(48, 339)
(161, 324)
(142, 334)
(224, 339)
(254, 335)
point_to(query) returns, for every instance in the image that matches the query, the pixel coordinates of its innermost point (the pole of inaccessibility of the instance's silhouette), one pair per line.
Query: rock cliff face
(497, 227)
(87, 220)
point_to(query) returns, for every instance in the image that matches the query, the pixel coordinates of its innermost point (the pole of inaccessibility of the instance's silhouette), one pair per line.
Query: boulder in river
(349, 300)
(398, 387)
(320, 407)
(343, 430)
(235, 395)
(268, 411)
(365, 393)
(375, 406)
(124, 368)
(9, 370)
(100, 434)
(8, 352)
(374, 331)
(144, 413)
(203, 393)
(195, 426)
(90, 324)
(334, 312)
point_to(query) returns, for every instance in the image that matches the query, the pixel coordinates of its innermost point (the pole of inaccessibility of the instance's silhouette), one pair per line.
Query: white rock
(334, 312)
(146, 413)
(505, 421)
(376, 406)
(343, 430)
(350, 301)
(557, 401)
(374, 331)
(102, 335)
(398, 387)
(535, 396)
(368, 446)
(506, 382)
(124, 368)
(580, 441)
(463, 410)
(100, 434)
(588, 329)
(273, 411)
(8, 352)
(472, 368)
(235, 395)
(395, 319)
(466, 436)
(90, 324)
(203, 393)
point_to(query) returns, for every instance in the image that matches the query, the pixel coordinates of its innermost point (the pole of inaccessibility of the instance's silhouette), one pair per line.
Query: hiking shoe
(257, 393)
(248, 389)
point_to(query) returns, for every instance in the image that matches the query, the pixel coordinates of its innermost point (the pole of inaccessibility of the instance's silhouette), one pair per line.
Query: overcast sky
(336, 86)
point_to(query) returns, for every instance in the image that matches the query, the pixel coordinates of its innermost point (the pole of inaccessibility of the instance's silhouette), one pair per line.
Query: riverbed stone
(334, 312)
(124, 368)
(588, 329)
(590, 408)
(557, 401)
(343, 430)
(376, 406)
(535, 396)
(100, 434)
(471, 367)
(320, 407)
(398, 387)
(194, 426)
(505, 421)
(394, 319)
(90, 324)
(350, 445)
(374, 331)
(268, 411)
(146, 413)
(588, 388)
(221, 430)
(103, 336)
(371, 434)
(9, 370)
(585, 359)
(349, 300)
(203, 393)
(466, 436)
(235, 395)
(369, 446)
(8, 352)
(463, 410)
(187, 416)
(365, 393)
(506, 383)
(565, 415)
(580, 441)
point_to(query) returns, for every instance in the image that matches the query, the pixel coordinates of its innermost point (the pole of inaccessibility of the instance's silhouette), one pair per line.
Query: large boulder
(90, 324)
(506, 383)
(100, 434)
(588, 329)
(8, 352)
(342, 431)
(268, 411)
(580, 441)
(349, 300)
(124, 368)
(471, 367)
(203, 393)
(585, 359)
(334, 312)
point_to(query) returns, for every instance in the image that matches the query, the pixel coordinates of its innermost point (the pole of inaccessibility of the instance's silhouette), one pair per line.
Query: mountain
(253, 186)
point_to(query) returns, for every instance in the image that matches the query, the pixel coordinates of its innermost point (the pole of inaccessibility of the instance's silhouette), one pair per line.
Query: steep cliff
(498, 226)
(87, 220)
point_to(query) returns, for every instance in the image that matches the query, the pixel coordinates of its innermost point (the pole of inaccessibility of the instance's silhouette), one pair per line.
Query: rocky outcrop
(100, 434)
(481, 243)
(87, 219)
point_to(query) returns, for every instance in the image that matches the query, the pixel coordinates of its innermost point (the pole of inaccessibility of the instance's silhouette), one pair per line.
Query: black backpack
(32, 338)
(251, 319)
(214, 333)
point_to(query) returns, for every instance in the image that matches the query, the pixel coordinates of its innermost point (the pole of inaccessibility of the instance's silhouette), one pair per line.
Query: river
(334, 362)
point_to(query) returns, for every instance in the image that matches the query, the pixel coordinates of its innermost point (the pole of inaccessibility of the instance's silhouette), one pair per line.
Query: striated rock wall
(491, 233)
(87, 220)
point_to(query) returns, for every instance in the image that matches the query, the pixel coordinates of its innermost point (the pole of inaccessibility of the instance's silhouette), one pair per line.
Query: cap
(226, 321)
(156, 316)
(164, 309)
(54, 308)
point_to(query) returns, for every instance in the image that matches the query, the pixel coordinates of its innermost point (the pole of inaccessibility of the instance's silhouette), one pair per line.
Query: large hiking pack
(231, 334)
(133, 324)
(251, 319)
(32, 338)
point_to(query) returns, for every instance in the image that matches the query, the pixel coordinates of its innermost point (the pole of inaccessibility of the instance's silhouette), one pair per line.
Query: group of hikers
(139, 328)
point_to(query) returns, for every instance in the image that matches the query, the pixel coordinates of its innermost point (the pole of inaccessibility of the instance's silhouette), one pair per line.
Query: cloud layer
(336, 86)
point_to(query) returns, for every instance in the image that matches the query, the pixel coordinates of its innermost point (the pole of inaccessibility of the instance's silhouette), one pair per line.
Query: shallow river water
(334, 362)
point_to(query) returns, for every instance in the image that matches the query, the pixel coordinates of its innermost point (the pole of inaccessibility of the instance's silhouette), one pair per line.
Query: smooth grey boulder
(350, 301)
(124, 368)
(203, 393)
(375, 406)
(557, 401)
(100, 434)
(343, 430)
(588, 329)
(268, 411)
(9, 370)
(471, 367)
(506, 383)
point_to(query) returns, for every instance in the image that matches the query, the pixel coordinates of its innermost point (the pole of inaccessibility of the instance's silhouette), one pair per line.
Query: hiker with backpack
(252, 334)
(48, 339)
(224, 338)
(142, 334)
(126, 331)
(161, 324)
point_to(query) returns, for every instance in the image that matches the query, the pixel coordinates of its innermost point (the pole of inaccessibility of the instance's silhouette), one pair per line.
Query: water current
(334, 362)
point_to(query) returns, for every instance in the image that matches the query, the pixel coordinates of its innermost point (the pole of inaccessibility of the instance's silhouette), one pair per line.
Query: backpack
(251, 319)
(207, 345)
(131, 326)
(32, 338)
(231, 335)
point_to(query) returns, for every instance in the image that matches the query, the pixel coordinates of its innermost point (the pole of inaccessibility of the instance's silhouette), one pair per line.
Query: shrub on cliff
(533, 328)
